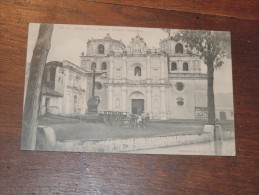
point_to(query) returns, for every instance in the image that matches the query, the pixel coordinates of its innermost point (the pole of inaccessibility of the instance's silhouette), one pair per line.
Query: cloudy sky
(69, 41)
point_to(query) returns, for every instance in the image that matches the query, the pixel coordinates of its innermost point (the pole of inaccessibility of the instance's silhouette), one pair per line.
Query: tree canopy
(212, 47)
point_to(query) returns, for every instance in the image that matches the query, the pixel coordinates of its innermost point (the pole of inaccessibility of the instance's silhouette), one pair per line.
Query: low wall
(46, 140)
(130, 144)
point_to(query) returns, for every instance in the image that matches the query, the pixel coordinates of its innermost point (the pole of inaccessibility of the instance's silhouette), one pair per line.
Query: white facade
(64, 89)
(167, 83)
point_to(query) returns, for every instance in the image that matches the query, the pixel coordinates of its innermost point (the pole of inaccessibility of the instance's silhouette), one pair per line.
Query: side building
(64, 89)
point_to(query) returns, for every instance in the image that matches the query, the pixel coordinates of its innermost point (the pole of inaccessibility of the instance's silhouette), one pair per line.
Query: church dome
(137, 45)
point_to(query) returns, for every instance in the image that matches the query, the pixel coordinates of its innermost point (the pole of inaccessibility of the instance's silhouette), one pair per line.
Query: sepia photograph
(135, 90)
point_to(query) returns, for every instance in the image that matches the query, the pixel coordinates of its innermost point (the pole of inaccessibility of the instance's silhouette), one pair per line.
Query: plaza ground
(75, 129)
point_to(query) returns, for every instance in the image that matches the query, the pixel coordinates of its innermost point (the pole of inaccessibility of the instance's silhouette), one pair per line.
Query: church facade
(167, 83)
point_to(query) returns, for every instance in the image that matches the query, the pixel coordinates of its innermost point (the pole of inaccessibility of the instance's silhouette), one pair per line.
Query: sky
(69, 41)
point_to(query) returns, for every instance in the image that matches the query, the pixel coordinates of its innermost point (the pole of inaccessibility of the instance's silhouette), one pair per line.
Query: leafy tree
(32, 98)
(212, 47)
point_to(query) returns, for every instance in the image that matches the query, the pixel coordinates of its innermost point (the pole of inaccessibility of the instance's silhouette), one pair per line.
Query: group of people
(139, 120)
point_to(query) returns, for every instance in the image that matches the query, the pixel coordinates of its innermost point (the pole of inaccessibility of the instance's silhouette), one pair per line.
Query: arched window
(93, 66)
(178, 48)
(185, 66)
(104, 66)
(98, 85)
(173, 66)
(137, 71)
(101, 49)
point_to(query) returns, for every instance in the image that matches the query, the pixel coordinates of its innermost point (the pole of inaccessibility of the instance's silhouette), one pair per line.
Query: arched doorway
(137, 102)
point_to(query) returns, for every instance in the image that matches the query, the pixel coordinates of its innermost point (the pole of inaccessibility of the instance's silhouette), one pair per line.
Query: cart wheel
(106, 119)
(112, 120)
(119, 122)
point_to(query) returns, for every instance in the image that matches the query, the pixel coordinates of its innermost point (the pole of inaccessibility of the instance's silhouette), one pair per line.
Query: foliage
(212, 46)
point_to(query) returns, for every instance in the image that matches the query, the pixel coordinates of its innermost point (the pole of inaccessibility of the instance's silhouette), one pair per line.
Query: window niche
(137, 71)
(185, 66)
(93, 66)
(104, 66)
(173, 66)
(101, 49)
(179, 48)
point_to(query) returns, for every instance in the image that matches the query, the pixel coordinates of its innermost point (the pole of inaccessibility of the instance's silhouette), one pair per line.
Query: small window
(137, 71)
(93, 66)
(173, 66)
(180, 101)
(101, 49)
(98, 85)
(104, 66)
(52, 74)
(185, 66)
(178, 48)
(179, 86)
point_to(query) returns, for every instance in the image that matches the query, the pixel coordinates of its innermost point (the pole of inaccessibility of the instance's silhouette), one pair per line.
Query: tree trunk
(32, 98)
(210, 94)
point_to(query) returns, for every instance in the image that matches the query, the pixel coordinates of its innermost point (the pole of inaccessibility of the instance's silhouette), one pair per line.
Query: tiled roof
(51, 92)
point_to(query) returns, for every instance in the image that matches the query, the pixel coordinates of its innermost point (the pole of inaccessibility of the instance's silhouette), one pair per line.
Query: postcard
(128, 90)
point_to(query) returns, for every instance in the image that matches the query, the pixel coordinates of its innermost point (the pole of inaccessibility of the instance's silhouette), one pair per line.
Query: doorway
(137, 106)
(47, 104)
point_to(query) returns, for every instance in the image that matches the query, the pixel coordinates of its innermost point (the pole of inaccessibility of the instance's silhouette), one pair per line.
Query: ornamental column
(148, 68)
(162, 103)
(111, 69)
(124, 98)
(149, 100)
(124, 69)
(162, 69)
(110, 98)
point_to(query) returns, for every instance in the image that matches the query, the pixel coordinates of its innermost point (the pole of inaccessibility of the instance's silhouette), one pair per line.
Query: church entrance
(137, 106)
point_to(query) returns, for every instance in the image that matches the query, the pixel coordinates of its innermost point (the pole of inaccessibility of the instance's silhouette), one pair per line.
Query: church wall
(193, 63)
(74, 85)
(102, 93)
(187, 110)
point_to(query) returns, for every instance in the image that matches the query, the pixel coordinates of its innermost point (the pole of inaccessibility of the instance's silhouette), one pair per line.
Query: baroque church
(166, 83)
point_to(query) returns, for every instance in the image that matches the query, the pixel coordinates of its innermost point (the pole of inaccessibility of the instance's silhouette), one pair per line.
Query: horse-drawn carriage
(117, 119)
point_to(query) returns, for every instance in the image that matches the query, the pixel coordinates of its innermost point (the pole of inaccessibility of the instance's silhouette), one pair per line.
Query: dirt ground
(75, 129)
